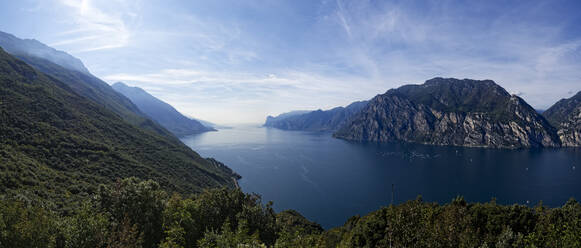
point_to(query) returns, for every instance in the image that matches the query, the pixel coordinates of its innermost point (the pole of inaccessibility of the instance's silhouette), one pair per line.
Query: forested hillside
(58, 146)
(71, 71)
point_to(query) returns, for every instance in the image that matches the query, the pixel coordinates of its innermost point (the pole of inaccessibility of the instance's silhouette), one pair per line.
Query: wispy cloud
(98, 27)
(75, 40)
(341, 14)
(295, 80)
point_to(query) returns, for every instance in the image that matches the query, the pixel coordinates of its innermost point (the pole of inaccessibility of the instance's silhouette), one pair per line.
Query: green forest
(136, 213)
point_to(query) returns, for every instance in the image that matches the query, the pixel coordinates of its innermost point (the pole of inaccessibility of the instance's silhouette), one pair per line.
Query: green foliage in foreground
(459, 224)
(133, 213)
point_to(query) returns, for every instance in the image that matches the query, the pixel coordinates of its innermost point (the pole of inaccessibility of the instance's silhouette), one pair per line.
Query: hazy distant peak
(318, 120)
(32, 47)
(161, 112)
(121, 85)
(134, 91)
(291, 113)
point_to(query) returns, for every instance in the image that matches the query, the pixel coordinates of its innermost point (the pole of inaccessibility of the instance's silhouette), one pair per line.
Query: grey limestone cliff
(447, 111)
(565, 115)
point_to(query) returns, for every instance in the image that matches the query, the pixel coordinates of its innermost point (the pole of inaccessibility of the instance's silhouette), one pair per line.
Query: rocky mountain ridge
(447, 111)
(565, 115)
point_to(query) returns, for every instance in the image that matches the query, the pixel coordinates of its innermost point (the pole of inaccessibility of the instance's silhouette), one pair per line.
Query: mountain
(285, 115)
(210, 124)
(33, 48)
(565, 115)
(58, 146)
(319, 120)
(206, 123)
(448, 111)
(159, 111)
(81, 81)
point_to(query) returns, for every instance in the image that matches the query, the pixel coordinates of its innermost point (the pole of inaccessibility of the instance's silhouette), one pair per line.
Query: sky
(239, 61)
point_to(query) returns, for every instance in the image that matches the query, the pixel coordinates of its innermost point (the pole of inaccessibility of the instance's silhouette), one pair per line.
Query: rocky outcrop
(451, 112)
(570, 130)
(565, 115)
(319, 120)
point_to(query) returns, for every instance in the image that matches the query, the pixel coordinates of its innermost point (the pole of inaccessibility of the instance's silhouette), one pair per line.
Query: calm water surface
(328, 180)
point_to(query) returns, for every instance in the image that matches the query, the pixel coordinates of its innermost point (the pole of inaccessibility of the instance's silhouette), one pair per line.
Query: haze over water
(329, 180)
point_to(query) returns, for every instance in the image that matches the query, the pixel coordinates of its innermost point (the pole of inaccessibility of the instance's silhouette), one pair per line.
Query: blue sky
(238, 61)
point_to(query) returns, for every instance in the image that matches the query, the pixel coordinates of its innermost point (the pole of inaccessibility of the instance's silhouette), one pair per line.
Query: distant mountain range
(319, 120)
(447, 111)
(163, 113)
(63, 132)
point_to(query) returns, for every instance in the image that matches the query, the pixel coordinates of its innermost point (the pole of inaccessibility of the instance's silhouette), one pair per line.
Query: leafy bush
(135, 213)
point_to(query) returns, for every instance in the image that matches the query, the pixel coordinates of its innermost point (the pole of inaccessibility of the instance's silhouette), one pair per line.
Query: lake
(329, 180)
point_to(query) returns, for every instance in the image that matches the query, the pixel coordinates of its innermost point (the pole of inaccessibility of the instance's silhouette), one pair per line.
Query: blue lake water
(329, 180)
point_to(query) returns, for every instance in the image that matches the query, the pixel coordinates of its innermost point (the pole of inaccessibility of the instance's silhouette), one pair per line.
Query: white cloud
(99, 25)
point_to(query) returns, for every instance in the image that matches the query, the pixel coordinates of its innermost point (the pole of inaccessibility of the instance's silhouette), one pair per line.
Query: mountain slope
(59, 146)
(81, 81)
(319, 120)
(33, 48)
(447, 111)
(159, 111)
(565, 115)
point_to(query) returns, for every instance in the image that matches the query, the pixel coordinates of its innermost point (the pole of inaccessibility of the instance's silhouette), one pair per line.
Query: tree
(140, 203)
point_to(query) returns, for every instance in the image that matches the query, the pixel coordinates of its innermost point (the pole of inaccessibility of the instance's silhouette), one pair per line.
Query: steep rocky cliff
(319, 120)
(565, 115)
(447, 111)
